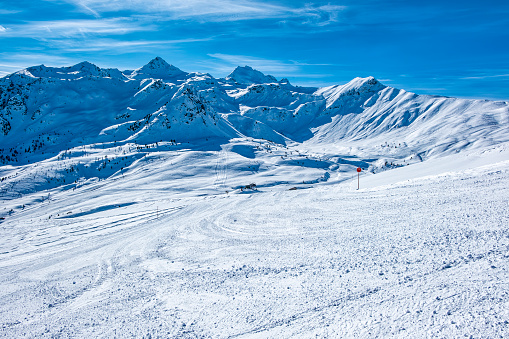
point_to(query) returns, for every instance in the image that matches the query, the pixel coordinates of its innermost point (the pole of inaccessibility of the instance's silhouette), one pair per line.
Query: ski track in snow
(422, 258)
(221, 169)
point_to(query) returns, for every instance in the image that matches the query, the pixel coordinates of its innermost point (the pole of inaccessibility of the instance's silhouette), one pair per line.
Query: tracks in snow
(221, 170)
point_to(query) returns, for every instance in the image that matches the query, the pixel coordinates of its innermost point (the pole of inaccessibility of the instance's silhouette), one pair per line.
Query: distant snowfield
(164, 251)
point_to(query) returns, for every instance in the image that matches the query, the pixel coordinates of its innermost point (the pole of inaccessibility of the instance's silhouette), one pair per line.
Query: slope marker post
(358, 177)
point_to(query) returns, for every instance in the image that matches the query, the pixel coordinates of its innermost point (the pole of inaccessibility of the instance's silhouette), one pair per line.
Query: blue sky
(453, 48)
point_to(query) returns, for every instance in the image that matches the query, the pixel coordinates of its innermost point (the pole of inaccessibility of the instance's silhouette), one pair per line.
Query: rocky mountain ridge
(44, 110)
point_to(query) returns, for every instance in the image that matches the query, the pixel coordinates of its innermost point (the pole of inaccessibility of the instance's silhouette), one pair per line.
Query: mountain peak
(361, 85)
(82, 69)
(85, 65)
(157, 62)
(249, 75)
(357, 89)
(157, 68)
(364, 82)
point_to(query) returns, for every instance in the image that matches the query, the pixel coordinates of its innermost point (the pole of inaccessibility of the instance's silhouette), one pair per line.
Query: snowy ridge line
(160, 103)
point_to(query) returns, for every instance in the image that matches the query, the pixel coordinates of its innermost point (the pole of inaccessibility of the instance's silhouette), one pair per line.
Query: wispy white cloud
(486, 77)
(214, 11)
(320, 15)
(122, 46)
(158, 16)
(430, 90)
(300, 63)
(73, 28)
(8, 11)
(87, 9)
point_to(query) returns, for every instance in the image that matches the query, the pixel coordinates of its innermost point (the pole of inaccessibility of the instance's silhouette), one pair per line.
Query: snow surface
(160, 203)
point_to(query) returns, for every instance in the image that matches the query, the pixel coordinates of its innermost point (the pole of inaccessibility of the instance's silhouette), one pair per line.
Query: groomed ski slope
(419, 251)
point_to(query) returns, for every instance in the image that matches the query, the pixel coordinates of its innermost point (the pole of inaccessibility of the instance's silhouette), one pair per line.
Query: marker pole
(358, 177)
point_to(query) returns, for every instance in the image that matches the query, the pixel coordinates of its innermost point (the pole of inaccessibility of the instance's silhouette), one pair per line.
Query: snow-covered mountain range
(48, 110)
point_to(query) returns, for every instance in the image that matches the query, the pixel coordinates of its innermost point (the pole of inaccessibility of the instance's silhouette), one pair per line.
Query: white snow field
(157, 203)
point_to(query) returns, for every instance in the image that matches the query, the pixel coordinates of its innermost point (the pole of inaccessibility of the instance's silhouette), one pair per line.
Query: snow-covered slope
(163, 251)
(161, 203)
(365, 110)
